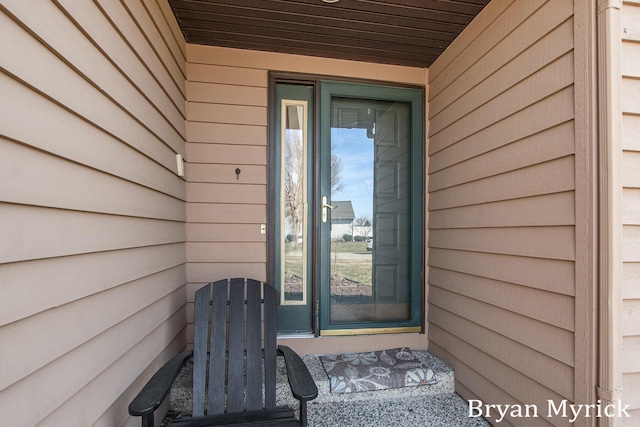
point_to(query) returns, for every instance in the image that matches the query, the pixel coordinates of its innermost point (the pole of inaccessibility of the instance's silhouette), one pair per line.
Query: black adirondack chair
(235, 350)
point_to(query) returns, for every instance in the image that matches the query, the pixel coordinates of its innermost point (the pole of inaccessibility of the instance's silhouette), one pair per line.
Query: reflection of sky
(355, 151)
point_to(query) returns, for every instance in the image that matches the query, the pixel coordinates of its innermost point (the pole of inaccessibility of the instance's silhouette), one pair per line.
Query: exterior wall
(341, 227)
(92, 253)
(630, 20)
(502, 207)
(227, 129)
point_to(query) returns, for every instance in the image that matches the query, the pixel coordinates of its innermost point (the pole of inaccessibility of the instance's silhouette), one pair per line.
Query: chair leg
(147, 420)
(303, 412)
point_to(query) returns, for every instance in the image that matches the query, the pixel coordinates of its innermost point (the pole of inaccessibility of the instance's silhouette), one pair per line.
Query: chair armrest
(155, 391)
(302, 385)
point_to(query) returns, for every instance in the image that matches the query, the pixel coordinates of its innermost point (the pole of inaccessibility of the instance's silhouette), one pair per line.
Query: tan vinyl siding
(92, 260)
(502, 205)
(630, 23)
(226, 128)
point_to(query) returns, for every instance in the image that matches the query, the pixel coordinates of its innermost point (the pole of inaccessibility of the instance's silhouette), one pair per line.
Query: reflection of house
(342, 219)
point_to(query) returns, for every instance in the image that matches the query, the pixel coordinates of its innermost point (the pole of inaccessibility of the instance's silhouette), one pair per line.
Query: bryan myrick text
(563, 409)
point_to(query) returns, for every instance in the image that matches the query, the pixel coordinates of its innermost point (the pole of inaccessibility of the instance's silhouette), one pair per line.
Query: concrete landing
(427, 405)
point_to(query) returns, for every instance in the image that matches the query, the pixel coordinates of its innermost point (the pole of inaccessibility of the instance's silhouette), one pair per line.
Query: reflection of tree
(363, 224)
(294, 182)
(336, 168)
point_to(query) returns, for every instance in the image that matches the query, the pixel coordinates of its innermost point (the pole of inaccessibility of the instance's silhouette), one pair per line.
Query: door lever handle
(325, 205)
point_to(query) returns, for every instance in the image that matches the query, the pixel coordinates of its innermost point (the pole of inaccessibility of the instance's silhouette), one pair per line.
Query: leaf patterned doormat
(376, 370)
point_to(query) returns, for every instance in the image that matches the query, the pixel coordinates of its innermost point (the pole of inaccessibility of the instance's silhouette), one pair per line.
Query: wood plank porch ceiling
(400, 32)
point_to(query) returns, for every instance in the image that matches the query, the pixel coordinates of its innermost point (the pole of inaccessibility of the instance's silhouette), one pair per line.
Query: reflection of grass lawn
(293, 266)
(358, 270)
(340, 247)
(349, 247)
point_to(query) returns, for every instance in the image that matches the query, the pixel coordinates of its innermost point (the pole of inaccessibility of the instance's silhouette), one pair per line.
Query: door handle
(325, 205)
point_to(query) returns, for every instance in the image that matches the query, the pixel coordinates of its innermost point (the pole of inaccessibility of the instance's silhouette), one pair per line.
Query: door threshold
(370, 331)
(296, 335)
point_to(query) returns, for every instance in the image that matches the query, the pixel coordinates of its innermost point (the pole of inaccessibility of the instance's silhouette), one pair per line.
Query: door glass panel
(293, 202)
(370, 278)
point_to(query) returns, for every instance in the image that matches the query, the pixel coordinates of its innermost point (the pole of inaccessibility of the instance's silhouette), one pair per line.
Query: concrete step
(428, 405)
(432, 405)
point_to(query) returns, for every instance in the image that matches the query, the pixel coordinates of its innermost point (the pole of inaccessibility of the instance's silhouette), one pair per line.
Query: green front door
(371, 242)
(349, 213)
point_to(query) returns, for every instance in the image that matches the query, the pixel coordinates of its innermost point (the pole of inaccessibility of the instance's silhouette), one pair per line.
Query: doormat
(376, 370)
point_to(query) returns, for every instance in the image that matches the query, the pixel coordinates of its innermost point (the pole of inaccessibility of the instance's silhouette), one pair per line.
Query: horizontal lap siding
(93, 256)
(502, 205)
(227, 111)
(630, 22)
(227, 129)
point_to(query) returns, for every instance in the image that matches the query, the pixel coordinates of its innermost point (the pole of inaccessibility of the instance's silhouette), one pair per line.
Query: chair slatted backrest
(234, 322)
